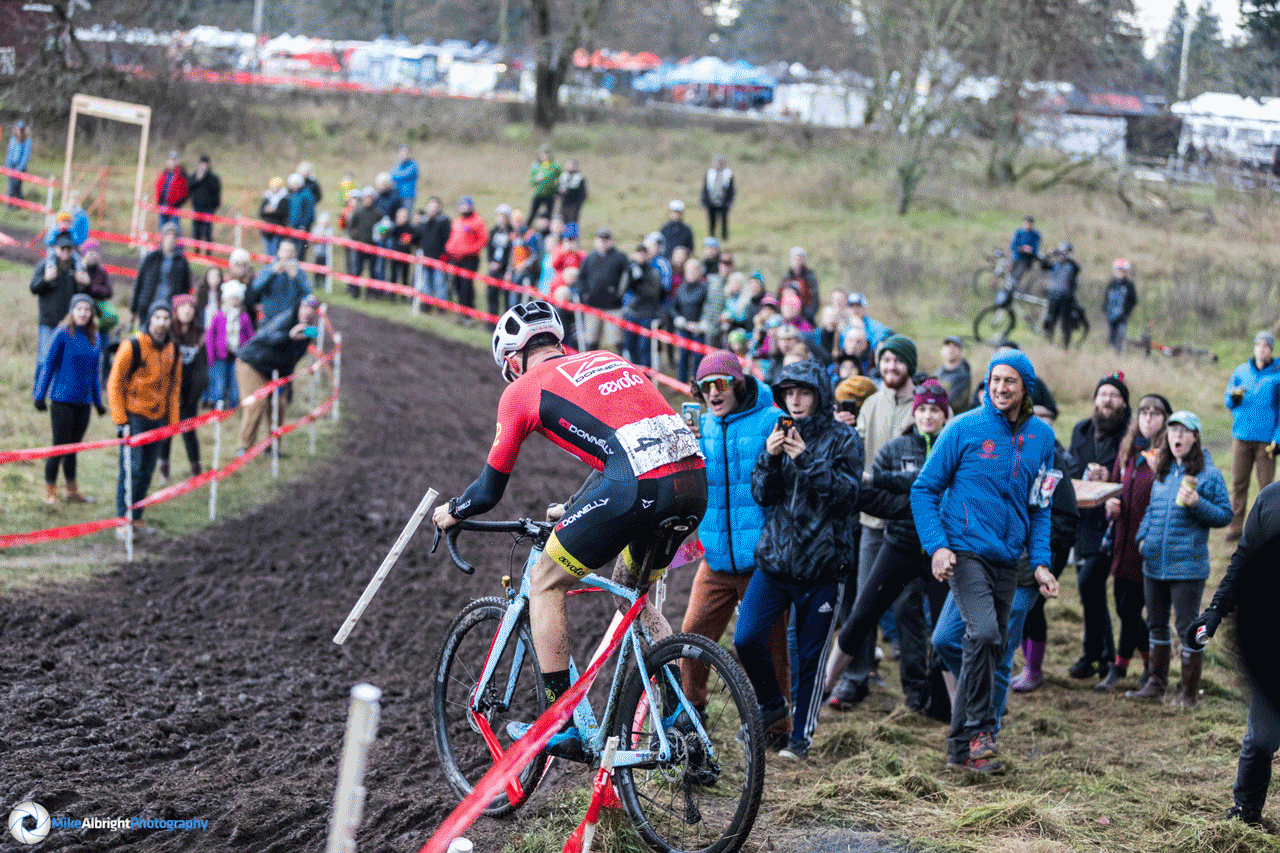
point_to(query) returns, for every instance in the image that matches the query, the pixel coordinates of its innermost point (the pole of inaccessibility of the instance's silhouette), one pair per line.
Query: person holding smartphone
(808, 477)
(278, 346)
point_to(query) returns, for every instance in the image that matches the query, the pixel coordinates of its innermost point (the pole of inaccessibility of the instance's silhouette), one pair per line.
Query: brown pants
(711, 603)
(251, 414)
(1245, 457)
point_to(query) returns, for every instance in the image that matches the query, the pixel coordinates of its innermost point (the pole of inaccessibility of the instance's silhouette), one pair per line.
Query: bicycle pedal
(517, 730)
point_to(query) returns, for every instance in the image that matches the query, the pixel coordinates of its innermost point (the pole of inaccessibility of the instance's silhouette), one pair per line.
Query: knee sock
(557, 684)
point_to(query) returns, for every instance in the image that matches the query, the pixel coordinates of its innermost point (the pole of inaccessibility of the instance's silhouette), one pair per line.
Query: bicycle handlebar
(537, 530)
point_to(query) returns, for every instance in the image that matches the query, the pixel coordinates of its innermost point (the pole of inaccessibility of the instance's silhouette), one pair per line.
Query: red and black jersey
(597, 406)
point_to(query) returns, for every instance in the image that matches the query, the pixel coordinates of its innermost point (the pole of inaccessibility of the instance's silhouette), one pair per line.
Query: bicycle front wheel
(515, 693)
(993, 324)
(986, 282)
(705, 798)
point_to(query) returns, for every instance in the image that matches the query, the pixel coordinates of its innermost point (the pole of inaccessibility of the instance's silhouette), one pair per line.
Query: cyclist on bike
(648, 468)
(1023, 248)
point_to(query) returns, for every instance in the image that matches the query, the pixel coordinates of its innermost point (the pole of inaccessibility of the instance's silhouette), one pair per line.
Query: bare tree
(916, 48)
(554, 56)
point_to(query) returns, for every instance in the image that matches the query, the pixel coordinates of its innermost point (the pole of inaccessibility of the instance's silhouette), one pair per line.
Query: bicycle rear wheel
(706, 797)
(515, 693)
(993, 324)
(1079, 324)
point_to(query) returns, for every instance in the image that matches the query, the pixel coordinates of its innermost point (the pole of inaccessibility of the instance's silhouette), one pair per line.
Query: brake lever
(435, 541)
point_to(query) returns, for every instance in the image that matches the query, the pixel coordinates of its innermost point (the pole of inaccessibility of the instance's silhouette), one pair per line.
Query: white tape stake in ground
(394, 554)
(348, 802)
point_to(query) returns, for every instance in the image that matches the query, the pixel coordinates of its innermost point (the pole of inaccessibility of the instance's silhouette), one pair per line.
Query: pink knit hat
(720, 363)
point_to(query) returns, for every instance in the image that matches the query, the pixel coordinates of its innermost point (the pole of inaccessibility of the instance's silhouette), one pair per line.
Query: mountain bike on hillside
(690, 778)
(997, 275)
(994, 323)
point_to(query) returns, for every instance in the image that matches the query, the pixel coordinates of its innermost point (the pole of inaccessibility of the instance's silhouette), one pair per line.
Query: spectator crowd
(852, 492)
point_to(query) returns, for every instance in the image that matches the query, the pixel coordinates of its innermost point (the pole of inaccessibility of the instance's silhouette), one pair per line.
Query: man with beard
(1095, 442)
(986, 464)
(884, 416)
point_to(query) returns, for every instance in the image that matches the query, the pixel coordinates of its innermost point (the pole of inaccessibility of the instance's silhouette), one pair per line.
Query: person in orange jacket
(142, 392)
(468, 236)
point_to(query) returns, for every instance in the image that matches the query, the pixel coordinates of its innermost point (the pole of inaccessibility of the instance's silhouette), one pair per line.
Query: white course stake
(128, 496)
(394, 554)
(275, 424)
(337, 374)
(348, 801)
(214, 462)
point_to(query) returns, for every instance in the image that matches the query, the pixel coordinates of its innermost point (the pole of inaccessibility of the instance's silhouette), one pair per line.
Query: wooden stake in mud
(394, 554)
(348, 801)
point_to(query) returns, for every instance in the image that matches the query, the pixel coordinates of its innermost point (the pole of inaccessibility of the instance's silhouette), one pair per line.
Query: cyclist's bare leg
(548, 621)
(653, 621)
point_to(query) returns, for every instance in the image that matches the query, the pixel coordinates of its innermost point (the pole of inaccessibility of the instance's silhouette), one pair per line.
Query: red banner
(71, 531)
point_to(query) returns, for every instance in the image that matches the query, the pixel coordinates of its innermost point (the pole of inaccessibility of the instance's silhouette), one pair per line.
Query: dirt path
(205, 684)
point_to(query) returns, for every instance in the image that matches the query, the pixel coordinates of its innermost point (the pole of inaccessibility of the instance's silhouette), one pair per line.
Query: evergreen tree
(1169, 55)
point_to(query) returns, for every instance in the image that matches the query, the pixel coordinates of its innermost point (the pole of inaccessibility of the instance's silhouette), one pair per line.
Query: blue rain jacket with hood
(974, 493)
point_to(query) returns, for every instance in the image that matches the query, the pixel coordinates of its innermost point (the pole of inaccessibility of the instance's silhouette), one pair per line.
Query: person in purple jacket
(228, 331)
(69, 377)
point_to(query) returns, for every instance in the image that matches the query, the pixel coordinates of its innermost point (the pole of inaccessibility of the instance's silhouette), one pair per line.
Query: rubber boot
(1158, 679)
(74, 496)
(1189, 690)
(50, 494)
(1031, 676)
(1116, 671)
(196, 469)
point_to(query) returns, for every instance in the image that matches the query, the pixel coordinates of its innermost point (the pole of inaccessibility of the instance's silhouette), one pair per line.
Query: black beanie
(1115, 380)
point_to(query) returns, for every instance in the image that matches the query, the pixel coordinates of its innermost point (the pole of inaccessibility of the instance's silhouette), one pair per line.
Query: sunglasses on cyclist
(719, 384)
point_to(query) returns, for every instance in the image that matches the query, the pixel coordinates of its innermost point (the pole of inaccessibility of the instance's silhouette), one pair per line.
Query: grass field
(1090, 772)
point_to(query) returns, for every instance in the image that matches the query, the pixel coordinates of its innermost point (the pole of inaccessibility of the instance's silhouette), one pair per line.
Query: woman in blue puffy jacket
(1189, 497)
(69, 378)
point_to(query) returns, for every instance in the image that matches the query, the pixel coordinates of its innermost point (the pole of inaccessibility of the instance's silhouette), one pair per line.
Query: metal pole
(236, 230)
(337, 374)
(128, 496)
(577, 326)
(655, 353)
(52, 216)
(311, 407)
(1186, 53)
(213, 463)
(348, 801)
(275, 424)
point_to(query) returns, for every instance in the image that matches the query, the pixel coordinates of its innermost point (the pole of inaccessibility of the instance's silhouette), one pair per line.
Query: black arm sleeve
(1261, 526)
(482, 495)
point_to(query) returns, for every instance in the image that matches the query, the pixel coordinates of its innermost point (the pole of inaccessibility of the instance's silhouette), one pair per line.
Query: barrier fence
(239, 223)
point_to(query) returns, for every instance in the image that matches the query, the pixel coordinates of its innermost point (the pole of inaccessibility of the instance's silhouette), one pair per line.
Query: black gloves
(41, 405)
(1209, 620)
(102, 410)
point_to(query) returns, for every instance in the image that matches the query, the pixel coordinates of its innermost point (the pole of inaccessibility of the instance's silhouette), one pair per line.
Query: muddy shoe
(977, 765)
(1083, 668)
(1253, 817)
(795, 750)
(848, 694)
(983, 745)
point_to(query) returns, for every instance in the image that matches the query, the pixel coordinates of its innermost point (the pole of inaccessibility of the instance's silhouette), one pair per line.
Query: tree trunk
(552, 67)
(546, 100)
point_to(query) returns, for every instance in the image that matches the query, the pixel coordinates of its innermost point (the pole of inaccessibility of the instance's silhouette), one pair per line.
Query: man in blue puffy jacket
(977, 503)
(1253, 398)
(732, 435)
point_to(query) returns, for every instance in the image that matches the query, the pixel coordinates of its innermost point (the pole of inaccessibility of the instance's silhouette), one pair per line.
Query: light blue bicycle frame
(594, 733)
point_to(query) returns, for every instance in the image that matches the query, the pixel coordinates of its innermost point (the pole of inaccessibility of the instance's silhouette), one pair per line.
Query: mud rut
(203, 683)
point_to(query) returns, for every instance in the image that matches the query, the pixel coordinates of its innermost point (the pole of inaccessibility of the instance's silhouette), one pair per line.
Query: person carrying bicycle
(1064, 281)
(648, 468)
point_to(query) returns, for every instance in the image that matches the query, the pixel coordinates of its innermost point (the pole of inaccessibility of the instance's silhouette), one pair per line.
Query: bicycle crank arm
(514, 792)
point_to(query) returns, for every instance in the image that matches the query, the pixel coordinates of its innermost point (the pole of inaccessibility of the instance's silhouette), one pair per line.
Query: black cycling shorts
(608, 516)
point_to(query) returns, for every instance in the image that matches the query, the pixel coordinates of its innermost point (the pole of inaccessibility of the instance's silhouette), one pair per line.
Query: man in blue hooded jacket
(977, 503)
(731, 433)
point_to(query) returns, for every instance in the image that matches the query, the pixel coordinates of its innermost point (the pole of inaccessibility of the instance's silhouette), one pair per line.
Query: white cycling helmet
(518, 326)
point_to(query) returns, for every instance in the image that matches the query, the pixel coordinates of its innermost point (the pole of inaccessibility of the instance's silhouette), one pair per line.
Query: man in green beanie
(884, 416)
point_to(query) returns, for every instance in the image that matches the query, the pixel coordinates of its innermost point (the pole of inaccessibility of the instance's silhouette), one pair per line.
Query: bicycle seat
(671, 532)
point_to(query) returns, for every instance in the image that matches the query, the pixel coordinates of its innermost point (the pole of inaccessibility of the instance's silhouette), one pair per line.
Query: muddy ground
(204, 684)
